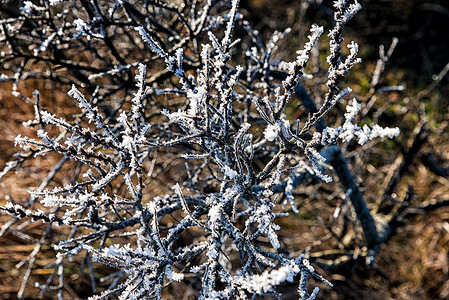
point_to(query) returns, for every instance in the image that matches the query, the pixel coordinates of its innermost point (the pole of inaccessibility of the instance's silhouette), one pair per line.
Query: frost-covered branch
(182, 158)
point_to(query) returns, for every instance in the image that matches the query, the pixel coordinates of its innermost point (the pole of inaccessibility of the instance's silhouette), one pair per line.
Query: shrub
(182, 159)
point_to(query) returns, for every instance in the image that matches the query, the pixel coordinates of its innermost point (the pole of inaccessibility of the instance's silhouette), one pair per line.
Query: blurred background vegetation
(414, 263)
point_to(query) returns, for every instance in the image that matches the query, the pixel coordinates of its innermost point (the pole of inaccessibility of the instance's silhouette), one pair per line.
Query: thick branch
(334, 157)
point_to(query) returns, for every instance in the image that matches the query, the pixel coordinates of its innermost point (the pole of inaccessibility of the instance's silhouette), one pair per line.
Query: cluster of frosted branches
(222, 119)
